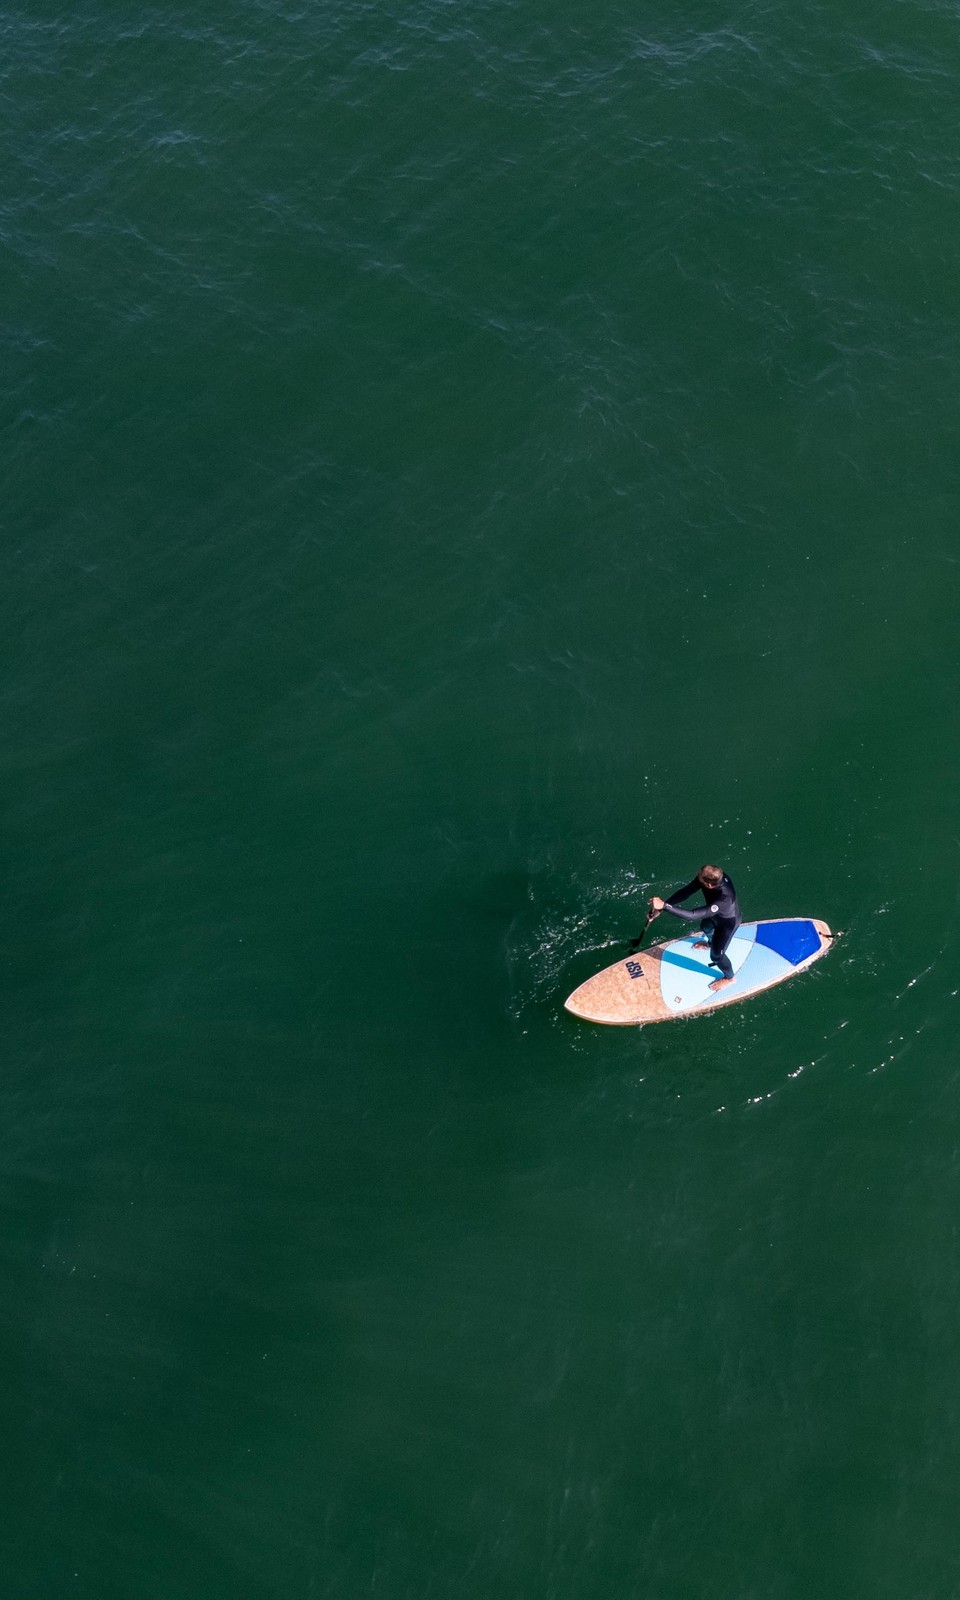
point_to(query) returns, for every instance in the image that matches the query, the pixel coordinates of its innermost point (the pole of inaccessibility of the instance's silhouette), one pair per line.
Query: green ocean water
(465, 465)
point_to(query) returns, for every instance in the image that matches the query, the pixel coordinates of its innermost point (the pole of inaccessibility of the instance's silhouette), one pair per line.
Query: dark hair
(713, 875)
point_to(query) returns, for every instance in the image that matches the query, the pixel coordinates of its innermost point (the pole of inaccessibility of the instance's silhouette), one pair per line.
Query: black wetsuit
(720, 917)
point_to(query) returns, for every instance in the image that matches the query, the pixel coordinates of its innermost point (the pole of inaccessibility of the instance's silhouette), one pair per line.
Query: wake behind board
(673, 979)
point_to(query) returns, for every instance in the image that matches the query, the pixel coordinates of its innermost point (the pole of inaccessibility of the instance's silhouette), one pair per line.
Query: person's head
(710, 877)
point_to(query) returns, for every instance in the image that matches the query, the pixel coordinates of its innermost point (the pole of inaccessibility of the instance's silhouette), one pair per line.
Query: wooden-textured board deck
(672, 979)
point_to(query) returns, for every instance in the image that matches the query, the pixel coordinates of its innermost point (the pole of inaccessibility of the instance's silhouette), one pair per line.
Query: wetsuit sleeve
(684, 894)
(696, 915)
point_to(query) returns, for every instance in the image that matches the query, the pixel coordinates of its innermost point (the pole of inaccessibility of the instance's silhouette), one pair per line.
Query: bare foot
(720, 983)
(701, 944)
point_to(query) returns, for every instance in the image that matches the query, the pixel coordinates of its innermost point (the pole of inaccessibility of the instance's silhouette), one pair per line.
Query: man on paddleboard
(719, 917)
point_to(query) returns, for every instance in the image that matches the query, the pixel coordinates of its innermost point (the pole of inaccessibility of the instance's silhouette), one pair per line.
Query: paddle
(636, 943)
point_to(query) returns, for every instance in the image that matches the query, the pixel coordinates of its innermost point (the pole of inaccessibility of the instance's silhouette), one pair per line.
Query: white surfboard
(673, 979)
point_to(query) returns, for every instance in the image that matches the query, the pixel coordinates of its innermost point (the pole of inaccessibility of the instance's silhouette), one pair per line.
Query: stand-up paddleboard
(673, 980)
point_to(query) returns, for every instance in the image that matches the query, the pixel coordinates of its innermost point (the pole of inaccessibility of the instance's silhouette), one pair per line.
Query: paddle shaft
(636, 943)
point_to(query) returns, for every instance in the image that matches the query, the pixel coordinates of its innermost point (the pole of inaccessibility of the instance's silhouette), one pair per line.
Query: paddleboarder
(719, 917)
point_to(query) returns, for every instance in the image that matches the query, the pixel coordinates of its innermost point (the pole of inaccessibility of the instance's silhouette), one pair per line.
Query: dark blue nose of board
(794, 939)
